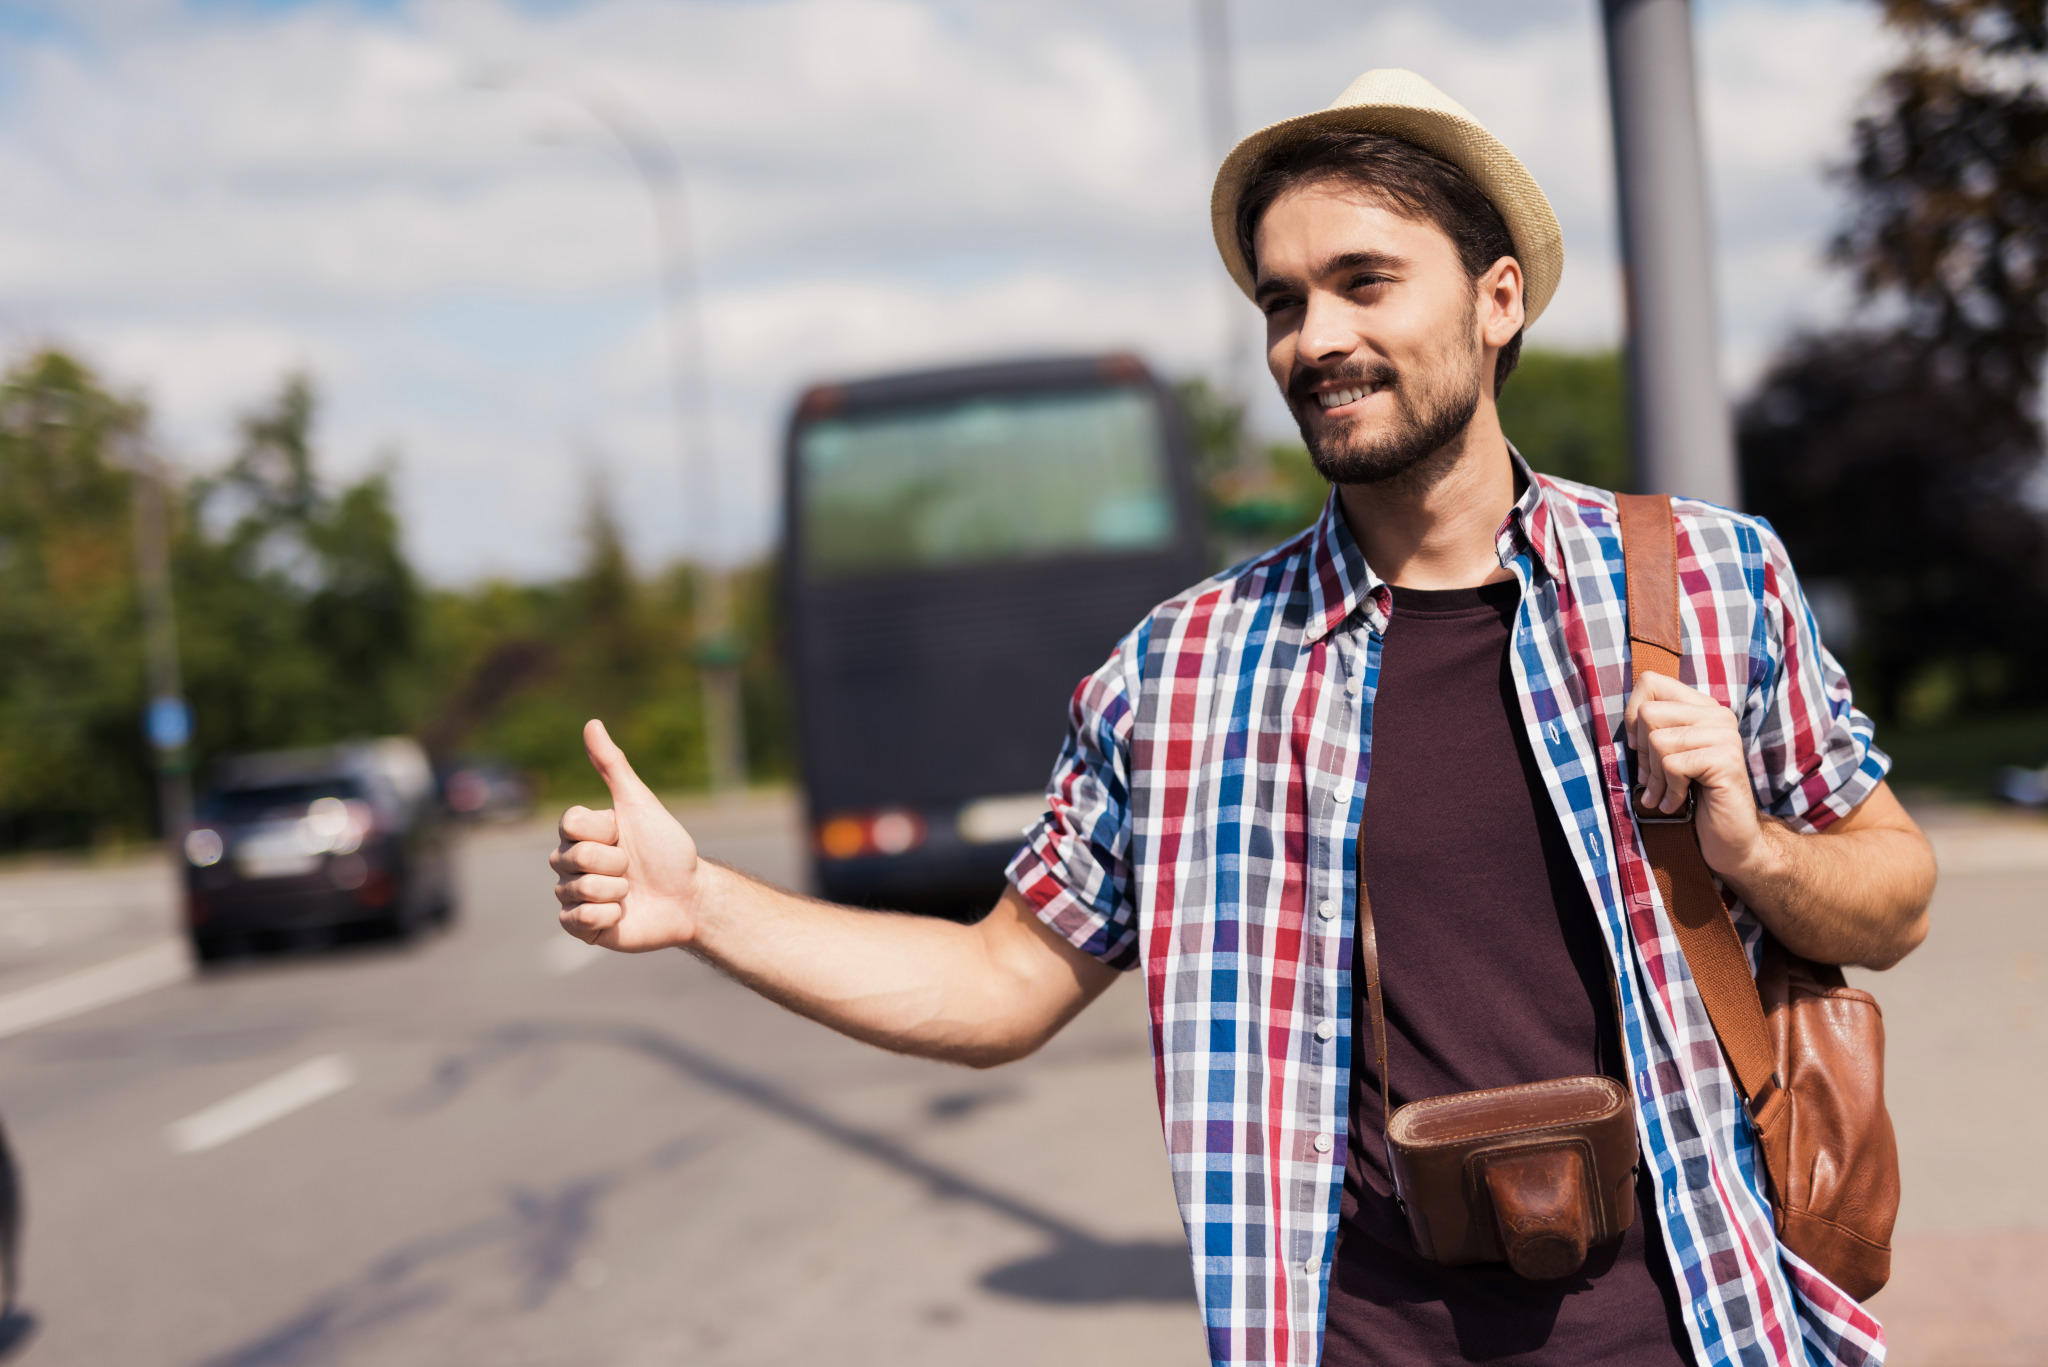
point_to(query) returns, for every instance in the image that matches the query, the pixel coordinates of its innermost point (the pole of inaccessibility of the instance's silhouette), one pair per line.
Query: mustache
(1301, 389)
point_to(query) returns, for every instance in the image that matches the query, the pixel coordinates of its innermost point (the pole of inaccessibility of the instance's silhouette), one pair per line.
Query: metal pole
(1679, 422)
(1219, 119)
(717, 651)
(169, 720)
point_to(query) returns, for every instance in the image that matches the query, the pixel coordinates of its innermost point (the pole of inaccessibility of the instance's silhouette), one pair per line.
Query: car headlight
(204, 847)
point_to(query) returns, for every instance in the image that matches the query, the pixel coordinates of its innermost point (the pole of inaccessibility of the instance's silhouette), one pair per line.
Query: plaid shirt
(1202, 822)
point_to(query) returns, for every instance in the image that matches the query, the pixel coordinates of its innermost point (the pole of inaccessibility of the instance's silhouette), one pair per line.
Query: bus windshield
(997, 477)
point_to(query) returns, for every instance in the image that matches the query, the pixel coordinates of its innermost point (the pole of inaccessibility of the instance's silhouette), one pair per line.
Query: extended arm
(631, 879)
(1855, 893)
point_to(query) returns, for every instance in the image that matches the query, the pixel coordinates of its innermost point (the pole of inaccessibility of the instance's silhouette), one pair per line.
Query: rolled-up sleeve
(1812, 754)
(1074, 868)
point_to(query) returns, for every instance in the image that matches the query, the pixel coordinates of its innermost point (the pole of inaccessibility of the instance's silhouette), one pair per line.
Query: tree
(1897, 454)
(1567, 413)
(298, 611)
(73, 760)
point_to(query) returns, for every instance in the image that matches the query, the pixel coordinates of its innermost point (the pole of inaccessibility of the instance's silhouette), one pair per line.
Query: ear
(1500, 302)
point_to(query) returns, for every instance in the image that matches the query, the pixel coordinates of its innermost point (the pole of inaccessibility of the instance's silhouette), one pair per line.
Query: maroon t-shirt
(1495, 973)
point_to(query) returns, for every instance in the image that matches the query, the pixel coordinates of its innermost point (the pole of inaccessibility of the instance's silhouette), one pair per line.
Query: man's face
(1374, 332)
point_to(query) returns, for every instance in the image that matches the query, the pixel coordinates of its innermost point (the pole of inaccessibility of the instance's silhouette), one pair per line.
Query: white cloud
(205, 197)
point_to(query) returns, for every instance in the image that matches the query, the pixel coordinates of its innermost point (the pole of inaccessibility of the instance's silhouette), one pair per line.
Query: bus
(961, 548)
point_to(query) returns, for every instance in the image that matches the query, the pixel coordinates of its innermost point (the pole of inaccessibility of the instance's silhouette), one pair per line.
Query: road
(495, 1146)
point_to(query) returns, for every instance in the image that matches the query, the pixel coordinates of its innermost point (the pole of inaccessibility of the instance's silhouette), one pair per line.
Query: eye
(1277, 304)
(1366, 280)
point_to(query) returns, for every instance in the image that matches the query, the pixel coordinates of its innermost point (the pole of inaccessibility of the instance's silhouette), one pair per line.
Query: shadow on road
(17, 1327)
(1079, 1268)
(545, 1231)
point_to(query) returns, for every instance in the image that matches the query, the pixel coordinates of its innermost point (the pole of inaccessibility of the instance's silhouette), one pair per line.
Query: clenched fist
(627, 878)
(1683, 740)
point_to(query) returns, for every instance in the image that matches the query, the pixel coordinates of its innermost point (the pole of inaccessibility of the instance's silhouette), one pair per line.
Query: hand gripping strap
(1705, 934)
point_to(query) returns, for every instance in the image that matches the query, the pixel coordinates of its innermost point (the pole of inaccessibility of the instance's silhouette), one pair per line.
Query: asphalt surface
(494, 1146)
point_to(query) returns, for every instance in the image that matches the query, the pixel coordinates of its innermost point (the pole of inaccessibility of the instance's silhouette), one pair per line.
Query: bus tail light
(1121, 366)
(822, 401)
(849, 835)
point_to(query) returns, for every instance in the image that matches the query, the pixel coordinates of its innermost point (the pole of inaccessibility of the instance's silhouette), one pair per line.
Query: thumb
(610, 762)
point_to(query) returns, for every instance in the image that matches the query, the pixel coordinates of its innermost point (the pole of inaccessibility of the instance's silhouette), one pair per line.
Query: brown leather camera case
(1532, 1175)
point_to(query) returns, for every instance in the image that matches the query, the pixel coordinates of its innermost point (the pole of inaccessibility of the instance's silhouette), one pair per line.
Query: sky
(413, 202)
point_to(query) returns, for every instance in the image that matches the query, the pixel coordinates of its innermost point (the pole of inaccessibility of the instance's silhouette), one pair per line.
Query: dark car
(302, 842)
(485, 790)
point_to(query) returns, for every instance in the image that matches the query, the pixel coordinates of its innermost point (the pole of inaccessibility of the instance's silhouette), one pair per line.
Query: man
(1450, 629)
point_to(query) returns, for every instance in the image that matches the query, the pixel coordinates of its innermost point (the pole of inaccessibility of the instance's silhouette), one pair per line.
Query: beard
(1432, 410)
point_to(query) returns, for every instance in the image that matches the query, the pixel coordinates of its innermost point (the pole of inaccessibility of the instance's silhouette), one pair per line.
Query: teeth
(1338, 397)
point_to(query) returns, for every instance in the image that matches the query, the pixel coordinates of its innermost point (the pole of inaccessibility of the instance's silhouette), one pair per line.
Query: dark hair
(1417, 182)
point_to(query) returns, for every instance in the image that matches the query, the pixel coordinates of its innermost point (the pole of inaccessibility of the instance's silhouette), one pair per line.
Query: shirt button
(1312, 1266)
(1327, 910)
(1354, 687)
(1325, 1029)
(1322, 1143)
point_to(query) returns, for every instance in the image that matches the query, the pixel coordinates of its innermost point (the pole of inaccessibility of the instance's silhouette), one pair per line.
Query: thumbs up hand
(627, 878)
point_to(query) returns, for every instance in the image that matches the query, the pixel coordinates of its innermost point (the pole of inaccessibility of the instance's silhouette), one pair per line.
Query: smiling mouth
(1337, 398)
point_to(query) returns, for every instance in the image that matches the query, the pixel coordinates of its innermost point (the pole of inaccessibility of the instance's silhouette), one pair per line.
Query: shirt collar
(1341, 583)
(1531, 524)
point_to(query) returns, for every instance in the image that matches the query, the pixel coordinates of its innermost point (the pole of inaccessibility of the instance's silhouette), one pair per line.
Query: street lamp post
(1219, 117)
(717, 652)
(168, 720)
(1678, 413)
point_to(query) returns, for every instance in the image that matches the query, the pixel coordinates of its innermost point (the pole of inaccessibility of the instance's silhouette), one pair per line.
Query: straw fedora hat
(1403, 104)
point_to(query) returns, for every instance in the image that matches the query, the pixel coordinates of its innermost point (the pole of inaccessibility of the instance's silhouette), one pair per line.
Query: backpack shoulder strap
(1707, 937)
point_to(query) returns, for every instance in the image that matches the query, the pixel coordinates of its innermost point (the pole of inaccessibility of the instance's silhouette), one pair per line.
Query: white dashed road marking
(292, 1090)
(91, 988)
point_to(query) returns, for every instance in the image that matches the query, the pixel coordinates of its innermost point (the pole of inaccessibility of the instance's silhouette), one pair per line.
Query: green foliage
(300, 621)
(73, 761)
(1898, 455)
(1253, 496)
(519, 669)
(298, 615)
(1962, 758)
(1567, 413)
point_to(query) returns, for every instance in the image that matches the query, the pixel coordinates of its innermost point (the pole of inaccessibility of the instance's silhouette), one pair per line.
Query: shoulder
(1716, 543)
(1183, 636)
(1274, 574)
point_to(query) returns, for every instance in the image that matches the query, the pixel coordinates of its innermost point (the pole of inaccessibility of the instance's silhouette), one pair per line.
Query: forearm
(978, 995)
(1856, 896)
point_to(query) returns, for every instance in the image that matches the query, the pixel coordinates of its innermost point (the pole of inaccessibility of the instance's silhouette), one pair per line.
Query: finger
(1655, 715)
(588, 920)
(591, 887)
(1663, 688)
(1649, 778)
(610, 762)
(1672, 740)
(589, 857)
(1685, 768)
(580, 823)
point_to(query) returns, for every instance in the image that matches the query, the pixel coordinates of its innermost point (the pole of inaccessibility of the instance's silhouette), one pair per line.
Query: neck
(1433, 527)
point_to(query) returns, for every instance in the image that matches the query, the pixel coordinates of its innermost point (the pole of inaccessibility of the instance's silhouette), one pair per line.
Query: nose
(1326, 334)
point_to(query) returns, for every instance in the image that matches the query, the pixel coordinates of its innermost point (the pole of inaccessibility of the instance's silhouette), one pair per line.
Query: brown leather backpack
(1807, 1050)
